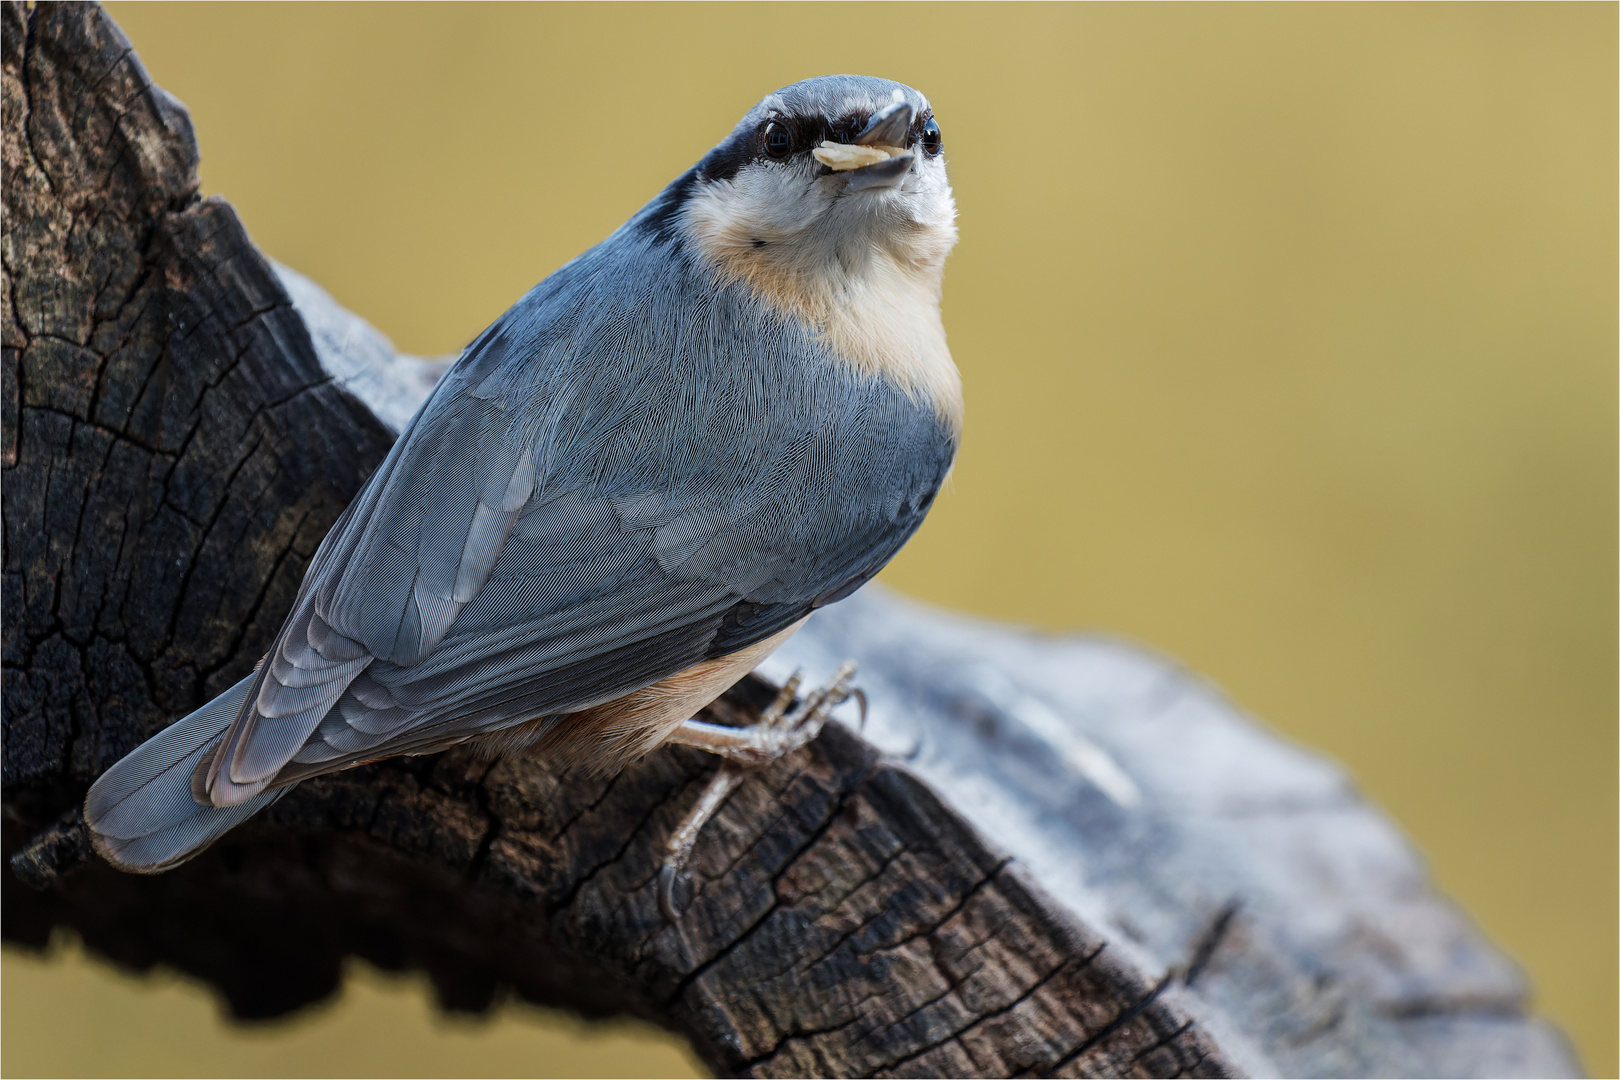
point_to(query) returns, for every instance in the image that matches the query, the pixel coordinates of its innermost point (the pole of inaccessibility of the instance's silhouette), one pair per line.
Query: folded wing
(576, 517)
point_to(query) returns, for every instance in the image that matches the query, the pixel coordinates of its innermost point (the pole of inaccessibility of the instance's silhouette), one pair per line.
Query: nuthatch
(625, 494)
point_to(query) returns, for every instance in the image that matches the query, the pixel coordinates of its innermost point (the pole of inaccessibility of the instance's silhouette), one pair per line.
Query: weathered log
(178, 436)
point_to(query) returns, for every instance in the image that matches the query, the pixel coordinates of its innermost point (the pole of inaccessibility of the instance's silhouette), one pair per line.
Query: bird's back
(654, 461)
(705, 475)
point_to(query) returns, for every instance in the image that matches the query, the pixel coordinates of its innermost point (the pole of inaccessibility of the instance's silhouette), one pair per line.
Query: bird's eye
(930, 138)
(778, 140)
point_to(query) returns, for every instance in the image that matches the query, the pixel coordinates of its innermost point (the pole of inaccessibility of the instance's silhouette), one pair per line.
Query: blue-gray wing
(586, 504)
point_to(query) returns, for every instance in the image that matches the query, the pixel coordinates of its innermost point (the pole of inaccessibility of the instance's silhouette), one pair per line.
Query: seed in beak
(841, 157)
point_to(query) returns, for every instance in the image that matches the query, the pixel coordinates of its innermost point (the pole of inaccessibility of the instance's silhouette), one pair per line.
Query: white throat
(863, 270)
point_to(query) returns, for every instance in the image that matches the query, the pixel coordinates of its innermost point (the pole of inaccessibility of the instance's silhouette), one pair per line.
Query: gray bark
(1047, 856)
(1289, 916)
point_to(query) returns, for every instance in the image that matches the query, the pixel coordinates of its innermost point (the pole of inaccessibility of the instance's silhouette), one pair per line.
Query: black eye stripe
(747, 147)
(806, 133)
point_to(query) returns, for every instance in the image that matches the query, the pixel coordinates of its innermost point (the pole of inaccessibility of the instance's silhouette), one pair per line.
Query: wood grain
(173, 454)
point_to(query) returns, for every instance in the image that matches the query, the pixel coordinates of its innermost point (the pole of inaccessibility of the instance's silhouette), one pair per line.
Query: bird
(627, 491)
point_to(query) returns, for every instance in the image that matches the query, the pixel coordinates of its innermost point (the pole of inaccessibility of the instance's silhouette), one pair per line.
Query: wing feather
(589, 502)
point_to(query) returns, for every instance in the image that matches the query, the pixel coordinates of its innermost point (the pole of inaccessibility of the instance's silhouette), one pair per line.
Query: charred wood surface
(179, 434)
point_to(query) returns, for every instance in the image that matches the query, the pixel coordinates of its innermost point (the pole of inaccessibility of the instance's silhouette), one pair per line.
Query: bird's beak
(878, 156)
(888, 126)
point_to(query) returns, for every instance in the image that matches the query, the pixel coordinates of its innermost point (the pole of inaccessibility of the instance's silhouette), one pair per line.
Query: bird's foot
(787, 724)
(782, 728)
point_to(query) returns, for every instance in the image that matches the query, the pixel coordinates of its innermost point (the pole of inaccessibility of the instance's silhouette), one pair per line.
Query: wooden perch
(1168, 891)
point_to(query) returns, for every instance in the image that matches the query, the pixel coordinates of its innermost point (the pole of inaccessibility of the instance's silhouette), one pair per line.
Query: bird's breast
(873, 306)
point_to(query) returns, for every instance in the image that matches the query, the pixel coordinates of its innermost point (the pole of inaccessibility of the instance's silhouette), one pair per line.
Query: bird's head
(823, 185)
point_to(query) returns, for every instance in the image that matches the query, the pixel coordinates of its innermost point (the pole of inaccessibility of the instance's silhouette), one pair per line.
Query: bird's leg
(782, 728)
(678, 848)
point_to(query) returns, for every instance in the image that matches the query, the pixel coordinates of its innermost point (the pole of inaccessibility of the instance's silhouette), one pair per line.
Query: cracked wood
(174, 453)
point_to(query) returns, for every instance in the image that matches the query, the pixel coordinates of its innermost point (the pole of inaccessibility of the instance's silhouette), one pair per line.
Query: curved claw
(667, 877)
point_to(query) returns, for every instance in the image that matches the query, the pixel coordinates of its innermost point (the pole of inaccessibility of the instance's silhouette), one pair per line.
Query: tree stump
(179, 434)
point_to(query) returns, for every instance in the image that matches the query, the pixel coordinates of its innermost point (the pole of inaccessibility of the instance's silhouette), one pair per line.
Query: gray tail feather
(143, 817)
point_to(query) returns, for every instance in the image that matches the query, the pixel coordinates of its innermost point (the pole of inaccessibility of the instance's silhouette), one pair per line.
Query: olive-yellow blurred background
(1289, 342)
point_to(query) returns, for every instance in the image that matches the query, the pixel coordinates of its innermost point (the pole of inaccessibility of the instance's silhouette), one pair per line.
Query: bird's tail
(143, 817)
